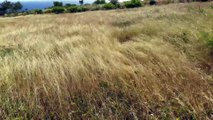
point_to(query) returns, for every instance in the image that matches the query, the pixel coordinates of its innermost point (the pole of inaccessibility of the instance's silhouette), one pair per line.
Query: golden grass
(145, 63)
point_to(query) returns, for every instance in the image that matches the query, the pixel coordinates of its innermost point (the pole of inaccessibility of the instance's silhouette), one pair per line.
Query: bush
(47, 11)
(109, 6)
(72, 9)
(132, 4)
(205, 36)
(128, 4)
(95, 7)
(69, 5)
(152, 2)
(82, 9)
(38, 11)
(58, 10)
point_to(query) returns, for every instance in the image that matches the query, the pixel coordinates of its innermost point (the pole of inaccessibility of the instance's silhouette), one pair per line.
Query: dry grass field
(144, 63)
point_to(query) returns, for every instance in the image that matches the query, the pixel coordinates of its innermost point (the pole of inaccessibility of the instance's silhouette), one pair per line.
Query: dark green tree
(100, 2)
(57, 4)
(17, 6)
(5, 7)
(81, 2)
(114, 2)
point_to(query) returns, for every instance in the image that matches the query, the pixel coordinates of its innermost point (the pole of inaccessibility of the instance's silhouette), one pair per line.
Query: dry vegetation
(146, 63)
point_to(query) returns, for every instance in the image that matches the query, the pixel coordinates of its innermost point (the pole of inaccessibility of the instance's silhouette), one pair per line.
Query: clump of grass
(208, 38)
(127, 34)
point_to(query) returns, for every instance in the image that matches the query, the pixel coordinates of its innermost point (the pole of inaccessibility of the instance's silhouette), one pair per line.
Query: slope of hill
(145, 63)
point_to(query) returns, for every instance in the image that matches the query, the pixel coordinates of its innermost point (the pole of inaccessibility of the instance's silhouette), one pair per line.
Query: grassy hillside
(145, 63)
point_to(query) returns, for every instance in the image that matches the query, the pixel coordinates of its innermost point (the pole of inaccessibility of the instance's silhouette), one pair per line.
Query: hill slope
(146, 63)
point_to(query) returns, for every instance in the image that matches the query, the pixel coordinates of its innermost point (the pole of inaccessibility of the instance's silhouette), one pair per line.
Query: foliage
(68, 5)
(47, 11)
(38, 11)
(57, 4)
(99, 2)
(73, 9)
(152, 2)
(132, 4)
(5, 6)
(17, 6)
(114, 2)
(81, 2)
(9, 7)
(109, 6)
(82, 8)
(207, 37)
(58, 10)
(95, 7)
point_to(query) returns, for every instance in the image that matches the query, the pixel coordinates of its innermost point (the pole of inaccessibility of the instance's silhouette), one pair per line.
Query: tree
(58, 9)
(81, 2)
(57, 4)
(114, 2)
(17, 6)
(5, 7)
(100, 2)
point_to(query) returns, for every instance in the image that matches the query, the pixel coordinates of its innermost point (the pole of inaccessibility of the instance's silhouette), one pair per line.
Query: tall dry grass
(146, 63)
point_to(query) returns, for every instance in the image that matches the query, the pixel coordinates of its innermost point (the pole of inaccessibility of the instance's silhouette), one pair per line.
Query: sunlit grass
(146, 63)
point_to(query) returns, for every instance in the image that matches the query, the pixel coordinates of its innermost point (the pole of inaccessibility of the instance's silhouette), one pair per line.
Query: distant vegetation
(11, 9)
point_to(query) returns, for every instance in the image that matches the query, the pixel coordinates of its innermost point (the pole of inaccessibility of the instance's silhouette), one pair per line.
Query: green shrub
(133, 4)
(47, 11)
(95, 7)
(69, 5)
(207, 37)
(24, 13)
(122, 6)
(38, 11)
(57, 4)
(31, 12)
(58, 10)
(72, 9)
(128, 4)
(109, 6)
(82, 9)
(211, 6)
(152, 2)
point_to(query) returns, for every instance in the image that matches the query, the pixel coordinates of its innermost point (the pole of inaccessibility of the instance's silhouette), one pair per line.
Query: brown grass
(146, 63)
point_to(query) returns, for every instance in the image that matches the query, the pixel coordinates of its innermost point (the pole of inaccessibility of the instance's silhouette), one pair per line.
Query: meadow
(153, 62)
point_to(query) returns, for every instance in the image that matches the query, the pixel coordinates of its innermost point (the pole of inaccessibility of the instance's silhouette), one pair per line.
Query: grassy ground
(145, 63)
